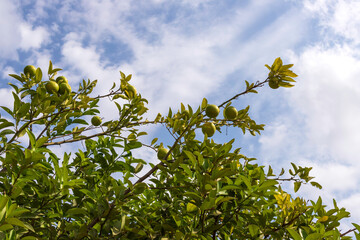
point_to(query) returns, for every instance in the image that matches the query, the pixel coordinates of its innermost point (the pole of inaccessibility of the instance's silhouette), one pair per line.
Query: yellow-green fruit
(209, 129)
(230, 113)
(30, 70)
(274, 84)
(52, 87)
(96, 120)
(61, 79)
(130, 91)
(212, 111)
(162, 153)
(64, 87)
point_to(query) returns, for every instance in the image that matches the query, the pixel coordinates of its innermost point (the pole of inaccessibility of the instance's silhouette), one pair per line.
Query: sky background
(184, 50)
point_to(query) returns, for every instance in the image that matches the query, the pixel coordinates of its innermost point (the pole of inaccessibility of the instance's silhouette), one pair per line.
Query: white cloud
(17, 33)
(180, 65)
(9, 21)
(7, 97)
(352, 205)
(6, 71)
(32, 38)
(328, 95)
(336, 178)
(341, 17)
(346, 20)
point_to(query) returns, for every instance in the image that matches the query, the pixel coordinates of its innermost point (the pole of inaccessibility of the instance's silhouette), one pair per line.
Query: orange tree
(199, 189)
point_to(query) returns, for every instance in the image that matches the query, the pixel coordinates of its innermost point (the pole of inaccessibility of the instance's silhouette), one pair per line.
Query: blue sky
(184, 50)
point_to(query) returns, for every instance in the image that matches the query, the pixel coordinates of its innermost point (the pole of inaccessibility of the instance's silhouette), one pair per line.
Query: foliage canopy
(199, 189)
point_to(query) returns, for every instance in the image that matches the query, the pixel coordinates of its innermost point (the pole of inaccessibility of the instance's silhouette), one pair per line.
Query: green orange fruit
(96, 120)
(52, 87)
(162, 152)
(208, 129)
(212, 111)
(61, 79)
(230, 113)
(30, 71)
(64, 87)
(274, 84)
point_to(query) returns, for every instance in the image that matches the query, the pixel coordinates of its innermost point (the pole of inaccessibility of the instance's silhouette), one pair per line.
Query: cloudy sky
(184, 50)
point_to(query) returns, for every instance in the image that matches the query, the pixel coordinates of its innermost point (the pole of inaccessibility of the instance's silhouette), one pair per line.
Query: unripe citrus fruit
(96, 120)
(64, 87)
(273, 84)
(130, 91)
(230, 113)
(61, 79)
(212, 111)
(30, 70)
(52, 87)
(162, 153)
(209, 129)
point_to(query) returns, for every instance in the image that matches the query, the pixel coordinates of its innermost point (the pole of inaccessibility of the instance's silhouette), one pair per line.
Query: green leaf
(41, 141)
(23, 110)
(4, 227)
(318, 204)
(7, 110)
(285, 84)
(29, 238)
(315, 184)
(18, 212)
(16, 77)
(190, 156)
(138, 167)
(154, 141)
(314, 236)
(75, 211)
(193, 195)
(31, 137)
(3, 201)
(222, 199)
(204, 103)
(15, 221)
(297, 186)
(294, 234)
(55, 70)
(38, 75)
(246, 181)
(191, 207)
(15, 87)
(140, 188)
(123, 221)
(267, 184)
(254, 230)
(50, 67)
(356, 226)
(276, 65)
(270, 172)
(6, 124)
(6, 132)
(80, 121)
